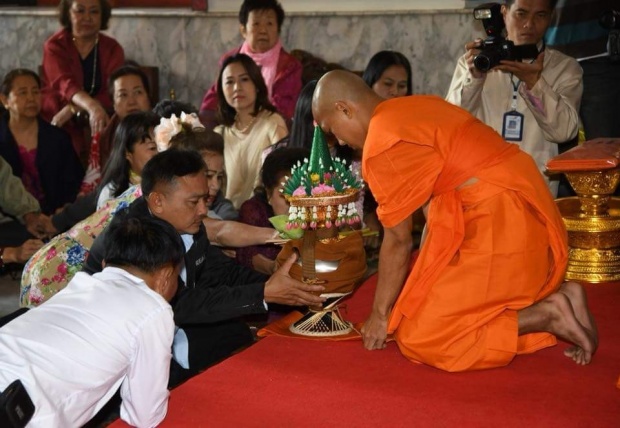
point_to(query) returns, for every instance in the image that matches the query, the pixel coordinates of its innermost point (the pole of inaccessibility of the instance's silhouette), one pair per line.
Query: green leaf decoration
(320, 158)
(320, 169)
(279, 223)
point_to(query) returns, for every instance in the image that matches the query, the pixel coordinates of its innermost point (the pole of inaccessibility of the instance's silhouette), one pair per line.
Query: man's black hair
(146, 243)
(166, 167)
(552, 3)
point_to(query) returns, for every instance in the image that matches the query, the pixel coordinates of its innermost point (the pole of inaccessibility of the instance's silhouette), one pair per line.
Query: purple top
(256, 212)
(30, 174)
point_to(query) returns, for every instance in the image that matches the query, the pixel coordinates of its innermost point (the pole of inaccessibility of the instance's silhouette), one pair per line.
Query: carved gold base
(593, 265)
(594, 241)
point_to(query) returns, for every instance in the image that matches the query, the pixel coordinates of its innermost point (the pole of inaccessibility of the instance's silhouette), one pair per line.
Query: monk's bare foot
(579, 301)
(555, 315)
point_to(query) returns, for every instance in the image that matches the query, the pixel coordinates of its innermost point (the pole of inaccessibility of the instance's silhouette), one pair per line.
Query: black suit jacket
(216, 288)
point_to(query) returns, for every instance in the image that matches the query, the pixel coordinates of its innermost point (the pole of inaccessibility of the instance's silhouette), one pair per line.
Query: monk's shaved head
(343, 104)
(338, 85)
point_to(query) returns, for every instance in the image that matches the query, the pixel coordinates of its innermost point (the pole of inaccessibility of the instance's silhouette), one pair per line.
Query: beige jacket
(550, 108)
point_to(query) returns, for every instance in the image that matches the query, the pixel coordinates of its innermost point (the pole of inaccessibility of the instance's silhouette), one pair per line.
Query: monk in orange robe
(488, 282)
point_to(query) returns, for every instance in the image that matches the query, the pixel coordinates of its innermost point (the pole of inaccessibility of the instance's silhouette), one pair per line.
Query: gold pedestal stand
(593, 223)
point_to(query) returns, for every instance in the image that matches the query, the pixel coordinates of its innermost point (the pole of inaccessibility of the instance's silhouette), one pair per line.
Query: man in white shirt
(534, 103)
(111, 330)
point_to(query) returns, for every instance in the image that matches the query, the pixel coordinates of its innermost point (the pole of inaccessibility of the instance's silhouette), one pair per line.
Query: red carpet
(305, 383)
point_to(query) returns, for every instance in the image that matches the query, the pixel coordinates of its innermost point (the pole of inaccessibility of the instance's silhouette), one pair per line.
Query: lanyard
(515, 87)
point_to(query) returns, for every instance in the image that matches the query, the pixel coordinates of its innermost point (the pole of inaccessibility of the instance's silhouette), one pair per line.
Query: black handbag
(16, 407)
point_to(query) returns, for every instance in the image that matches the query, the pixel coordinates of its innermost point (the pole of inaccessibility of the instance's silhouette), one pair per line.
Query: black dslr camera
(611, 21)
(495, 47)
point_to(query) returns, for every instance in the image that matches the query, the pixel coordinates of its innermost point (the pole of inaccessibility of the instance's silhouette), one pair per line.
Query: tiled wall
(186, 45)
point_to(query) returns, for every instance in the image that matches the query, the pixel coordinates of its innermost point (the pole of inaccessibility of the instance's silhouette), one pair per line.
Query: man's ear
(4, 101)
(243, 31)
(343, 106)
(504, 11)
(155, 202)
(162, 280)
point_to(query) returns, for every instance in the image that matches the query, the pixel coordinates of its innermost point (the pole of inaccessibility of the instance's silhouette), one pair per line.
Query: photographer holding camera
(589, 31)
(531, 100)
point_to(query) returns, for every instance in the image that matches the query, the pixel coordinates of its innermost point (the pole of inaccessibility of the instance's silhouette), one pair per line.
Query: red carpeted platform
(305, 383)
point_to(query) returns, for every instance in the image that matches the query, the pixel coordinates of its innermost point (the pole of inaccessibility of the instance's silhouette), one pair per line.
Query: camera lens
(610, 20)
(482, 62)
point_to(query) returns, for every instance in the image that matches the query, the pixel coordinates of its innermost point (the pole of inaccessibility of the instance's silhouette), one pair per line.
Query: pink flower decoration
(321, 189)
(300, 191)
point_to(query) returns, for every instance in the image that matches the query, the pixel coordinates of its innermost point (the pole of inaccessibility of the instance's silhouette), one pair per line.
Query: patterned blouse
(53, 266)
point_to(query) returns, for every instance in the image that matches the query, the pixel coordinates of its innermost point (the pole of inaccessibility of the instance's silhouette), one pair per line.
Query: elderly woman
(38, 153)
(260, 25)
(77, 63)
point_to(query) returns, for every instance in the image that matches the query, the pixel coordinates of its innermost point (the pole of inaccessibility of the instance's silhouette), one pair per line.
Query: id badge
(512, 129)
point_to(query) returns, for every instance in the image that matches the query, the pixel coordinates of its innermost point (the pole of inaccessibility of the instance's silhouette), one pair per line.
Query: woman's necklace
(247, 127)
(91, 92)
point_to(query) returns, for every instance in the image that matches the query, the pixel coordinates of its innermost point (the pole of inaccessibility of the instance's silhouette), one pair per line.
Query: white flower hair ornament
(168, 128)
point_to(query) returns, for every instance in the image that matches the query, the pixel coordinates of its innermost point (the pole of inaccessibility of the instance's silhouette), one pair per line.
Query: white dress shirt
(73, 352)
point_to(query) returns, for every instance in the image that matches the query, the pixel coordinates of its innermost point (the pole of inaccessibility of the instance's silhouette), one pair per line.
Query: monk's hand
(282, 289)
(528, 73)
(374, 331)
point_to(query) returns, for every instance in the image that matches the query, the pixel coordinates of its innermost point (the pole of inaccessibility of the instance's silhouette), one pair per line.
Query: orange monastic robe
(492, 248)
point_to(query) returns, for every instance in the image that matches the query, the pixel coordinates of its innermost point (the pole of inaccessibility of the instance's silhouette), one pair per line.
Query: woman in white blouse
(250, 124)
